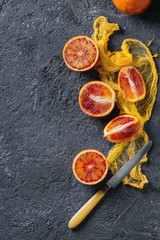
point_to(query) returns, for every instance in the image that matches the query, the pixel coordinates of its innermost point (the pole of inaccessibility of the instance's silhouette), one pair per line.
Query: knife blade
(111, 183)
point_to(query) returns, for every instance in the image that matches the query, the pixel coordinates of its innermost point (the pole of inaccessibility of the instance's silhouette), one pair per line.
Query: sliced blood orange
(96, 99)
(132, 84)
(90, 167)
(121, 128)
(80, 53)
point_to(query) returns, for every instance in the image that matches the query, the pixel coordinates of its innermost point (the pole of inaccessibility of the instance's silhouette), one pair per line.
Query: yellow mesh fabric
(137, 54)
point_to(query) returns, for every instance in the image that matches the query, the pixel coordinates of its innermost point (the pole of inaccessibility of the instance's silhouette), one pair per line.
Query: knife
(111, 183)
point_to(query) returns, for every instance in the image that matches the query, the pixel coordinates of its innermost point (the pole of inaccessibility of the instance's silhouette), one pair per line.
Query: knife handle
(85, 210)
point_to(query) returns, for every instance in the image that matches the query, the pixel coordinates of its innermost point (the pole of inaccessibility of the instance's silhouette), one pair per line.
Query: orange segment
(132, 84)
(80, 53)
(90, 167)
(96, 99)
(121, 128)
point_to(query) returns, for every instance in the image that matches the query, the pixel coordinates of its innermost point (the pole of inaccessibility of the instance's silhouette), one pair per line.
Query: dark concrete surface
(43, 128)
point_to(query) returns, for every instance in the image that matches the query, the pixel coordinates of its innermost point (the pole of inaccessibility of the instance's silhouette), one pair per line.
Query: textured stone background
(43, 128)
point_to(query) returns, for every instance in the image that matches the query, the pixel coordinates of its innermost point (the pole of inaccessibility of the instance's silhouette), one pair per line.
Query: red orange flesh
(121, 128)
(80, 53)
(90, 167)
(132, 84)
(96, 99)
(132, 7)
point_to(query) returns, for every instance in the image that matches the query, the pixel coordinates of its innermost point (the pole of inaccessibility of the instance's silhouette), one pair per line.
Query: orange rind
(132, 7)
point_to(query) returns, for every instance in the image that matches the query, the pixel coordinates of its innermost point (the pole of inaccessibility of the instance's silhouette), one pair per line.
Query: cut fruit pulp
(132, 84)
(90, 167)
(80, 53)
(121, 128)
(96, 99)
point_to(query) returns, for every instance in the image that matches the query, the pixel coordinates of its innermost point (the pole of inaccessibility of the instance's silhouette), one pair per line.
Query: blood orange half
(132, 84)
(80, 53)
(121, 128)
(96, 99)
(90, 167)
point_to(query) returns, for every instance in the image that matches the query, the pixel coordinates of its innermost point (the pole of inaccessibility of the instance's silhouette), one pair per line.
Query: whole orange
(132, 7)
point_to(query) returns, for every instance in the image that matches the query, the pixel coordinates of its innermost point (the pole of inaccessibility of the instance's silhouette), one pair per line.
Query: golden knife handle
(85, 210)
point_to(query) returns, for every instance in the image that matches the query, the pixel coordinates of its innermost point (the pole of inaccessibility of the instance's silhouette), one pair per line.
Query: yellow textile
(137, 54)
